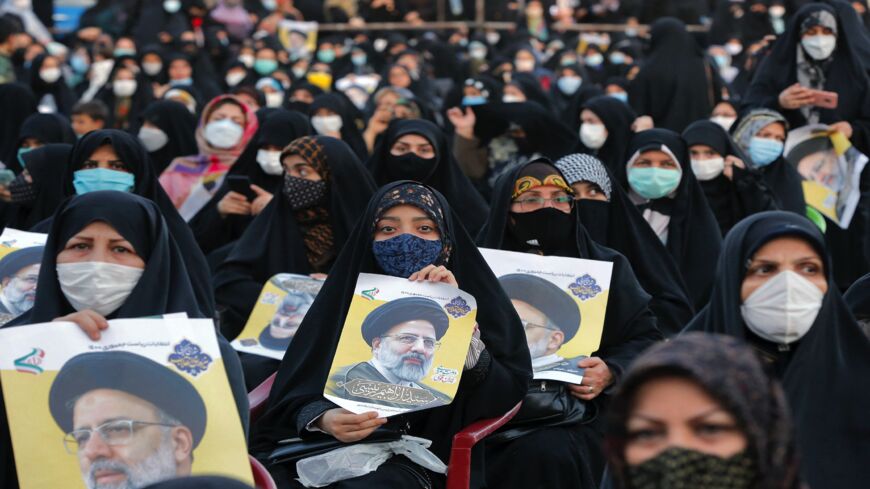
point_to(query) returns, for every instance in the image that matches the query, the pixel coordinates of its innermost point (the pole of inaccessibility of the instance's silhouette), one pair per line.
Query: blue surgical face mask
(721, 60)
(617, 58)
(473, 100)
(359, 59)
(621, 96)
(265, 66)
(405, 254)
(569, 84)
(183, 82)
(326, 55)
(123, 52)
(79, 64)
(764, 151)
(21, 152)
(95, 179)
(653, 183)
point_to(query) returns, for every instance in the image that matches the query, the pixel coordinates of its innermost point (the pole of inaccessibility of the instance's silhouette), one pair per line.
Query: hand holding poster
(403, 346)
(147, 402)
(831, 168)
(561, 302)
(20, 258)
(277, 315)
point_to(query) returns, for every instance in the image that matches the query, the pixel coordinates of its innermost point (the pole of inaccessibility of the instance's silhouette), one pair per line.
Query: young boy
(89, 116)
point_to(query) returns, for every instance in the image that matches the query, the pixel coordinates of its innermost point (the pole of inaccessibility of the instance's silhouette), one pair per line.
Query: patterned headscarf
(314, 221)
(421, 197)
(753, 122)
(582, 167)
(538, 174)
(226, 156)
(729, 372)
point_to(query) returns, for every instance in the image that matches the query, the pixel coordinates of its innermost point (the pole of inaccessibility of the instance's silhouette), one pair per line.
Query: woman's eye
(387, 229)
(426, 229)
(79, 246)
(712, 429)
(121, 249)
(809, 268)
(118, 166)
(644, 435)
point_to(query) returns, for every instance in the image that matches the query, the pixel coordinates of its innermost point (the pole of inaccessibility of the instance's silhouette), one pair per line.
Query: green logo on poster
(29, 364)
(371, 293)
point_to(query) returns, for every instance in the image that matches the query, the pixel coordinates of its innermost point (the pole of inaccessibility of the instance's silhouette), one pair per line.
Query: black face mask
(548, 228)
(22, 191)
(595, 217)
(409, 166)
(302, 193)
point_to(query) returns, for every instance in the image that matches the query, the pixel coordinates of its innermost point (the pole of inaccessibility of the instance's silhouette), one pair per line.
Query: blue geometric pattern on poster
(457, 307)
(585, 287)
(189, 358)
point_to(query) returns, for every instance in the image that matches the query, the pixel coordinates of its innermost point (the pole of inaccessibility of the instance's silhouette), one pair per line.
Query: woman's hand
(596, 378)
(348, 427)
(432, 273)
(92, 323)
(730, 162)
(261, 201)
(234, 203)
(463, 121)
(795, 97)
(843, 127)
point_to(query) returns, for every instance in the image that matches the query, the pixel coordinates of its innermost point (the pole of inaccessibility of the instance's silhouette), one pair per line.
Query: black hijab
(732, 375)
(133, 154)
(278, 128)
(46, 128)
(545, 133)
(350, 133)
(46, 166)
(858, 298)
(305, 368)
(441, 173)
(629, 325)
(179, 124)
(18, 104)
(730, 199)
(139, 101)
(64, 98)
(844, 72)
(618, 225)
(830, 416)
(531, 88)
(694, 238)
(274, 243)
(617, 117)
(676, 84)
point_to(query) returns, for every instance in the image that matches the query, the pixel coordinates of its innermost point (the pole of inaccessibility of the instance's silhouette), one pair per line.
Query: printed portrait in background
(19, 273)
(289, 315)
(130, 421)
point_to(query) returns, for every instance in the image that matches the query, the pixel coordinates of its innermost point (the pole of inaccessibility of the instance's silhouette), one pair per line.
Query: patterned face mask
(21, 190)
(405, 254)
(302, 193)
(680, 468)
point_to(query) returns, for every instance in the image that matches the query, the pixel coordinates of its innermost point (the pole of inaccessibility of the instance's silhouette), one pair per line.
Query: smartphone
(825, 100)
(6, 176)
(241, 184)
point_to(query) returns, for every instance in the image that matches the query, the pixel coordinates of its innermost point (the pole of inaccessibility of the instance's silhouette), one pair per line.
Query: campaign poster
(561, 303)
(148, 402)
(20, 259)
(280, 309)
(403, 346)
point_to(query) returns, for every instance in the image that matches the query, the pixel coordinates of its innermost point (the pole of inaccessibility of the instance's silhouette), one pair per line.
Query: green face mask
(680, 468)
(653, 183)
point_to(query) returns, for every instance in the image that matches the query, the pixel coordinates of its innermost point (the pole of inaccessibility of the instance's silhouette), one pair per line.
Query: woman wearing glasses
(532, 211)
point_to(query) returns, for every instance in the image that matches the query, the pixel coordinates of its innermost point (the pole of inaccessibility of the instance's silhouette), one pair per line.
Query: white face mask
(50, 75)
(152, 138)
(101, 287)
(270, 161)
(235, 77)
(274, 99)
(124, 88)
(223, 134)
(525, 64)
(324, 124)
(708, 169)
(723, 121)
(512, 99)
(783, 309)
(247, 60)
(593, 136)
(172, 6)
(819, 47)
(152, 69)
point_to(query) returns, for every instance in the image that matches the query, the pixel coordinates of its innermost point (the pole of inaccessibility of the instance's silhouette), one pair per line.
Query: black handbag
(547, 403)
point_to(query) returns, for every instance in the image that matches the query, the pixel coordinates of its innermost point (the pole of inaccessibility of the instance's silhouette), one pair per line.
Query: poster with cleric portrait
(20, 257)
(280, 309)
(147, 402)
(831, 168)
(561, 302)
(403, 346)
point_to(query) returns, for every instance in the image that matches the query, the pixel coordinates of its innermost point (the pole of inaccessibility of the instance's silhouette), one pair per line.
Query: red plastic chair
(458, 470)
(262, 477)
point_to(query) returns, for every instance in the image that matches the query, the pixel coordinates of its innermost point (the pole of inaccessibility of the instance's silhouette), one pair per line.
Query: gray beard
(158, 467)
(539, 348)
(403, 371)
(18, 302)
